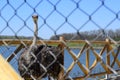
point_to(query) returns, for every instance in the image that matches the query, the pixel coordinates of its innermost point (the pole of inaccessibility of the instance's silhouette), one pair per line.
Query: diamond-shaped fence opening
(58, 22)
(42, 10)
(25, 30)
(114, 8)
(67, 40)
(91, 8)
(4, 12)
(110, 16)
(76, 18)
(6, 30)
(2, 21)
(24, 14)
(43, 31)
(13, 23)
(16, 4)
(3, 3)
(64, 8)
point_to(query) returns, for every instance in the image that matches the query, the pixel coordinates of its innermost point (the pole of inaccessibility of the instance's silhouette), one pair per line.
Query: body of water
(76, 71)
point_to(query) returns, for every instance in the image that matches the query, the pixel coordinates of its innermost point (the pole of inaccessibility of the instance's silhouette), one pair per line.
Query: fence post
(108, 56)
(87, 58)
(108, 50)
(61, 46)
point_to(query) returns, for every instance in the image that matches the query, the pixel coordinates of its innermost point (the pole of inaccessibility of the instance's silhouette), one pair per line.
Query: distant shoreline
(16, 37)
(73, 47)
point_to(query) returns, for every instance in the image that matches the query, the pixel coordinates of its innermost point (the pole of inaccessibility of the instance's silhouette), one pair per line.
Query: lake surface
(6, 51)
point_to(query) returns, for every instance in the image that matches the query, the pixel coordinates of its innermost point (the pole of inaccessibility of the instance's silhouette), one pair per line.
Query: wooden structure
(107, 46)
(7, 72)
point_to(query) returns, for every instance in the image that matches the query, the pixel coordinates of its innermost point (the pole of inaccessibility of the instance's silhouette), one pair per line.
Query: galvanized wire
(57, 18)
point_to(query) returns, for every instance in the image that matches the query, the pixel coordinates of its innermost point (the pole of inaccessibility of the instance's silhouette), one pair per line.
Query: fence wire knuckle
(61, 39)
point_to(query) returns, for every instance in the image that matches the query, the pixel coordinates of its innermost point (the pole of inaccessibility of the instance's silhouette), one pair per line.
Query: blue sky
(15, 16)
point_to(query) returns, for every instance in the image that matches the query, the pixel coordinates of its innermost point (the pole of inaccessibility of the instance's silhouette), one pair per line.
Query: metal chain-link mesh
(77, 39)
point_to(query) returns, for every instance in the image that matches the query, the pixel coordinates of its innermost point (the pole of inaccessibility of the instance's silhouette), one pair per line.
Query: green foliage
(98, 35)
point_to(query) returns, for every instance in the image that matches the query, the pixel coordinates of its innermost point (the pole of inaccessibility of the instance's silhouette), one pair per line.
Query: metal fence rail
(82, 24)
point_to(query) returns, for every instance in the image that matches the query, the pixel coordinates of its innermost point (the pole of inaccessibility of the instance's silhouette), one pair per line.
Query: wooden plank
(17, 41)
(95, 61)
(115, 57)
(75, 58)
(15, 52)
(7, 72)
(94, 75)
(99, 59)
(87, 58)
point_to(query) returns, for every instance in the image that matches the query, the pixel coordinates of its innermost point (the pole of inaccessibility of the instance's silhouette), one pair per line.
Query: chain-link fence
(72, 39)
